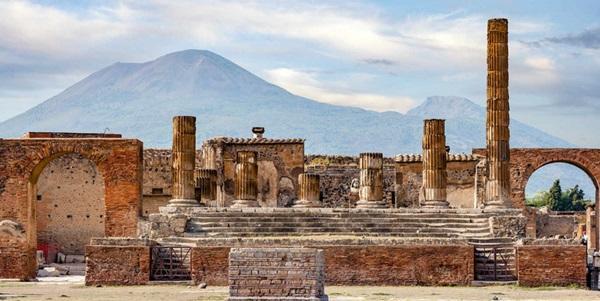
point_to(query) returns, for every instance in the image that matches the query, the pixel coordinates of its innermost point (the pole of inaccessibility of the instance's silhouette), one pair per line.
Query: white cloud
(307, 85)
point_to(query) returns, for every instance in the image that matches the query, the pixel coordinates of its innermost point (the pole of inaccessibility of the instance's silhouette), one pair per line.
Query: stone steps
(339, 224)
(260, 229)
(495, 259)
(396, 220)
(358, 233)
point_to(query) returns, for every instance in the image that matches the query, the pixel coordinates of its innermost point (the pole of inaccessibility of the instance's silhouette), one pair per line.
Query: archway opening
(561, 192)
(69, 207)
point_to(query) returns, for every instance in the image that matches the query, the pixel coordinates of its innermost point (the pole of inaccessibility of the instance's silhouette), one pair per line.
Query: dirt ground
(75, 290)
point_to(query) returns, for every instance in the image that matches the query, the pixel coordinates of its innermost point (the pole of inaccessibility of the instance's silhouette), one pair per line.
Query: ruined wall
(280, 161)
(363, 265)
(119, 161)
(69, 205)
(117, 265)
(544, 265)
(550, 224)
(460, 187)
(338, 174)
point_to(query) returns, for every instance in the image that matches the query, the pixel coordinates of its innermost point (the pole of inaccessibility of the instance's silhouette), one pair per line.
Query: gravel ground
(72, 289)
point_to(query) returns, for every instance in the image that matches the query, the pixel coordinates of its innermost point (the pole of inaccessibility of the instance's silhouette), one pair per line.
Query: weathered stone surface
(276, 274)
(117, 265)
(370, 193)
(497, 122)
(184, 161)
(433, 189)
(544, 265)
(246, 174)
(206, 182)
(277, 159)
(508, 226)
(309, 191)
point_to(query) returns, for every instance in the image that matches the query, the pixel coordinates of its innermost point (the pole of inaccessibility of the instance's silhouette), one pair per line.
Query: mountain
(139, 100)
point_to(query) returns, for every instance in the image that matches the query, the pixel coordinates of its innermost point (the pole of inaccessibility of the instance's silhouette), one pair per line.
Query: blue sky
(386, 55)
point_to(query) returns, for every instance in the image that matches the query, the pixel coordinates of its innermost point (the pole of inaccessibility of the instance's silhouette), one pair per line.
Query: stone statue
(11, 229)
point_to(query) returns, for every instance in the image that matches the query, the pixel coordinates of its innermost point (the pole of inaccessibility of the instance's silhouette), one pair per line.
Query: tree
(573, 199)
(555, 197)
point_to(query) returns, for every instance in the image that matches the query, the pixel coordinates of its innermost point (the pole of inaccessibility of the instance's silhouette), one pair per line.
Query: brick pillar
(184, 161)
(497, 192)
(206, 181)
(371, 181)
(246, 185)
(308, 191)
(433, 191)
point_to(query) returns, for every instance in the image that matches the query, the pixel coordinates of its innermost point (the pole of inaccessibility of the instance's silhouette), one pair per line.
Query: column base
(435, 204)
(305, 204)
(364, 204)
(245, 204)
(183, 203)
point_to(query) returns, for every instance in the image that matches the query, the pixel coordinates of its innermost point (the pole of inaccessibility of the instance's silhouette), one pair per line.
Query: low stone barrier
(291, 274)
(541, 265)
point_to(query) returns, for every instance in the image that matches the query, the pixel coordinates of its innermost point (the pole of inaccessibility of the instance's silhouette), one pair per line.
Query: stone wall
(69, 205)
(411, 264)
(544, 265)
(269, 273)
(117, 265)
(460, 186)
(280, 161)
(550, 224)
(337, 180)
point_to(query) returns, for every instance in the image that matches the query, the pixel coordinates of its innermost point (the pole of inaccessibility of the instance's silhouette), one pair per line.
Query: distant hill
(139, 100)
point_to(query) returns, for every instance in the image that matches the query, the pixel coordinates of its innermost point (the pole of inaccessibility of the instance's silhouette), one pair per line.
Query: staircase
(391, 223)
(494, 259)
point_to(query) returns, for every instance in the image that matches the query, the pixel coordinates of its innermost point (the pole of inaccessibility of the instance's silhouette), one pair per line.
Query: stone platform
(201, 223)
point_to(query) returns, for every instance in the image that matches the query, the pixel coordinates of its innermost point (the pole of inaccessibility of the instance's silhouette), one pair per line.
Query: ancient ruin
(435, 218)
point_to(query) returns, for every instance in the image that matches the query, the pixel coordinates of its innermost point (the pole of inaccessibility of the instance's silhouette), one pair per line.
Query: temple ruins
(435, 218)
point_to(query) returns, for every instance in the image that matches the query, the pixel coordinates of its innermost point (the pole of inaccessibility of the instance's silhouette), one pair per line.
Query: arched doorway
(69, 207)
(561, 192)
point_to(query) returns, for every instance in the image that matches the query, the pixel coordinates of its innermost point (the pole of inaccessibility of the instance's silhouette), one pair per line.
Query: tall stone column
(371, 181)
(184, 161)
(206, 181)
(433, 191)
(246, 180)
(497, 125)
(309, 191)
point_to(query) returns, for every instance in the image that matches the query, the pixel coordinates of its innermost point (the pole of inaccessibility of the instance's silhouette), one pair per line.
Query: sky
(378, 55)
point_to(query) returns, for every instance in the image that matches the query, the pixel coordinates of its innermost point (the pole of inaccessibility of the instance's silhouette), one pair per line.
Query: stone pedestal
(433, 191)
(206, 182)
(184, 161)
(497, 125)
(246, 177)
(309, 191)
(371, 181)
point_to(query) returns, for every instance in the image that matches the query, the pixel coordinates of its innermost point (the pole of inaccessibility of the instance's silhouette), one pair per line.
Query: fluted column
(206, 181)
(433, 191)
(309, 191)
(371, 181)
(497, 125)
(246, 176)
(184, 161)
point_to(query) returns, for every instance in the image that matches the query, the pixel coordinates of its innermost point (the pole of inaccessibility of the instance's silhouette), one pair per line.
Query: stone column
(433, 191)
(184, 161)
(309, 191)
(246, 184)
(497, 125)
(206, 180)
(371, 181)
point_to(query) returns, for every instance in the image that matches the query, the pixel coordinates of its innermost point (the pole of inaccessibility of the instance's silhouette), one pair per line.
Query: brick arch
(22, 160)
(525, 161)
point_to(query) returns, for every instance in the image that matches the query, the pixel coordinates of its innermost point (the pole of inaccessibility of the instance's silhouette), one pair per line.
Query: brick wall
(15, 263)
(122, 265)
(399, 265)
(365, 265)
(266, 273)
(210, 265)
(539, 265)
